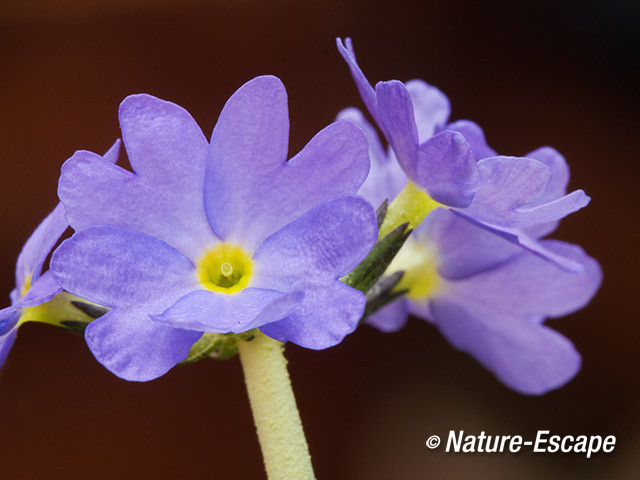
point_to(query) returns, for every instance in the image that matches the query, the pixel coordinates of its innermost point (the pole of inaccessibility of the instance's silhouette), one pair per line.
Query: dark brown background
(557, 73)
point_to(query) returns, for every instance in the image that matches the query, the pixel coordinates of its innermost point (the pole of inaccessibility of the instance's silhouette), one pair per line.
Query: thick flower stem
(284, 447)
(411, 206)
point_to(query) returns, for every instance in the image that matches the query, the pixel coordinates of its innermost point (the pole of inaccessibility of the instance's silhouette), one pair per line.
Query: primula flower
(31, 299)
(494, 313)
(451, 165)
(487, 296)
(220, 237)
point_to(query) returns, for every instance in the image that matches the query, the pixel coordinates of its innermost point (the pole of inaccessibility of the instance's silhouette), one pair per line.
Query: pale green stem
(411, 206)
(284, 447)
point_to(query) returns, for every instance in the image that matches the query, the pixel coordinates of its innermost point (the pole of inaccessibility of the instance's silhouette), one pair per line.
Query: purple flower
(33, 287)
(490, 299)
(222, 237)
(453, 164)
(487, 296)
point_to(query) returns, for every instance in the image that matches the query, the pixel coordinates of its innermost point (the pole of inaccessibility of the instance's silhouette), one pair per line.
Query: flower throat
(225, 269)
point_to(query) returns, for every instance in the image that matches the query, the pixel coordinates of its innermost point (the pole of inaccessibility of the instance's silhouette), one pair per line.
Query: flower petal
(38, 246)
(130, 345)
(559, 170)
(116, 268)
(9, 316)
(474, 136)
(364, 87)
(391, 317)
(377, 154)
(95, 192)
(447, 169)
(113, 153)
(556, 188)
(386, 179)
(443, 165)
(522, 239)
(431, 108)
(245, 206)
(397, 121)
(510, 190)
(463, 248)
(252, 132)
(221, 313)
(43, 290)
(6, 342)
(528, 285)
(328, 312)
(528, 357)
(326, 243)
(164, 144)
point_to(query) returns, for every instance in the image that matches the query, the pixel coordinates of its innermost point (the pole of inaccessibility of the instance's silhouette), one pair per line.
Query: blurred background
(556, 73)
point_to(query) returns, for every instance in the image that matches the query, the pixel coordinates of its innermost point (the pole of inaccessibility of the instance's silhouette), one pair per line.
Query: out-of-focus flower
(220, 237)
(33, 297)
(450, 165)
(490, 299)
(487, 296)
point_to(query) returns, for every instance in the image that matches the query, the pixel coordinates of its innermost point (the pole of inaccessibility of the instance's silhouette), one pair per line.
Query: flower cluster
(476, 267)
(227, 235)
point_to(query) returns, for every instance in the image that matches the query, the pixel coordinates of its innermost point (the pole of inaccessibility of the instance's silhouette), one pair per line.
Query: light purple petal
(328, 312)
(41, 291)
(164, 143)
(443, 165)
(528, 285)
(557, 187)
(251, 136)
(446, 169)
(113, 153)
(510, 190)
(325, 244)
(386, 179)
(6, 342)
(522, 239)
(9, 316)
(364, 87)
(391, 317)
(528, 357)
(95, 193)
(431, 108)
(474, 135)
(130, 345)
(246, 204)
(221, 313)
(398, 122)
(463, 248)
(121, 268)
(39, 245)
(559, 170)
(377, 154)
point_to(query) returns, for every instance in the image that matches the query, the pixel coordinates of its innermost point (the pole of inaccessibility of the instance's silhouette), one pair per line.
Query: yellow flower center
(225, 269)
(418, 262)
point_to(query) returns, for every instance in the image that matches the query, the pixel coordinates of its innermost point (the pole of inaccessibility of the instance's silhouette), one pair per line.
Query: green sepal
(213, 345)
(73, 326)
(369, 271)
(381, 213)
(382, 294)
(90, 309)
(59, 312)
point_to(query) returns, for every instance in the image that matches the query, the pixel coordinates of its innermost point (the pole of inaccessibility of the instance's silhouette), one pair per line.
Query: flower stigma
(225, 269)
